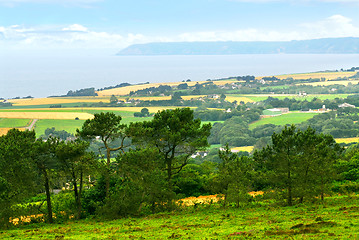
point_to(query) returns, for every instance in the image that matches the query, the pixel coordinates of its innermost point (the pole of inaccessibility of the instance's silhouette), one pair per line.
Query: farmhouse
(344, 105)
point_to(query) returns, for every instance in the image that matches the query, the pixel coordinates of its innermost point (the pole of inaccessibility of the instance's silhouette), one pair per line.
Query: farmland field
(327, 83)
(261, 97)
(13, 122)
(126, 90)
(67, 125)
(57, 100)
(288, 118)
(46, 115)
(326, 75)
(336, 218)
(347, 140)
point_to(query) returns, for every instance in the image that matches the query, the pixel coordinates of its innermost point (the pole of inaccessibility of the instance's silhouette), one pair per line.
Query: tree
(113, 99)
(17, 170)
(233, 177)
(175, 134)
(108, 127)
(141, 168)
(75, 162)
(44, 157)
(145, 112)
(300, 162)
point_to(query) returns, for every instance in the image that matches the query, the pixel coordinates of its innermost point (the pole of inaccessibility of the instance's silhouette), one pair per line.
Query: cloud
(82, 37)
(72, 36)
(75, 28)
(334, 26)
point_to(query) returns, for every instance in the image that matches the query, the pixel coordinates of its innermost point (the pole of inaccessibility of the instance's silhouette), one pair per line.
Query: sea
(43, 75)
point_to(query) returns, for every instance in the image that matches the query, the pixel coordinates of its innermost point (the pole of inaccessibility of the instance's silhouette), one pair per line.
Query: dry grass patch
(44, 101)
(46, 115)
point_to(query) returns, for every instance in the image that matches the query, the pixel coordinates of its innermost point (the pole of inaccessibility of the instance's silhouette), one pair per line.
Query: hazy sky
(115, 24)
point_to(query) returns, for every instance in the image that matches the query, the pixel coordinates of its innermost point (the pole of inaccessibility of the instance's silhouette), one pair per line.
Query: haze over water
(42, 75)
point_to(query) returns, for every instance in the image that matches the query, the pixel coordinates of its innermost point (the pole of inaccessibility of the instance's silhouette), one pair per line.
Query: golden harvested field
(3, 131)
(326, 75)
(46, 115)
(238, 99)
(126, 90)
(155, 98)
(43, 101)
(129, 109)
(327, 83)
(246, 148)
(347, 140)
(189, 97)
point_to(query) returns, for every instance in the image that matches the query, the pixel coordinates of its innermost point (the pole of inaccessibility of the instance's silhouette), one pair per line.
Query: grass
(13, 122)
(336, 218)
(289, 118)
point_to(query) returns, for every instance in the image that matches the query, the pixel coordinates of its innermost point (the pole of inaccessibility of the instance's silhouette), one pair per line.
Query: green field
(289, 118)
(336, 218)
(67, 125)
(13, 122)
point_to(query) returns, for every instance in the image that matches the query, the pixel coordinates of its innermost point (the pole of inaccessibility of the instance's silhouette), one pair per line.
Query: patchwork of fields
(25, 110)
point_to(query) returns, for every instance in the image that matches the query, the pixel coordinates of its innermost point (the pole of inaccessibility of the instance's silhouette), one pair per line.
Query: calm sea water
(43, 75)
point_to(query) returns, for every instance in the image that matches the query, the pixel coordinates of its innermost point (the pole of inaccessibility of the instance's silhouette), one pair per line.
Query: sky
(116, 24)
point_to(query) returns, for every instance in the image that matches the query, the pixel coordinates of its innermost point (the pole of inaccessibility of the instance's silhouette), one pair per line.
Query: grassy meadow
(65, 124)
(335, 218)
(288, 118)
(13, 122)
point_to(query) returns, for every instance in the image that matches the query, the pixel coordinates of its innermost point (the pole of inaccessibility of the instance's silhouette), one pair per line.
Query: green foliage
(233, 177)
(175, 134)
(113, 99)
(107, 126)
(299, 163)
(17, 170)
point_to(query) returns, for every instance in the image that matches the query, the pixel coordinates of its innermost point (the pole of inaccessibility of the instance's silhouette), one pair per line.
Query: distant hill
(314, 46)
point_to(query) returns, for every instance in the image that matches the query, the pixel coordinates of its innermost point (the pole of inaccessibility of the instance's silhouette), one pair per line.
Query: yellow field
(246, 148)
(43, 101)
(126, 90)
(155, 98)
(3, 131)
(46, 115)
(326, 75)
(327, 83)
(238, 99)
(347, 140)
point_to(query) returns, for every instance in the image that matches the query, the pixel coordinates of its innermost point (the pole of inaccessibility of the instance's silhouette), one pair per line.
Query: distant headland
(347, 45)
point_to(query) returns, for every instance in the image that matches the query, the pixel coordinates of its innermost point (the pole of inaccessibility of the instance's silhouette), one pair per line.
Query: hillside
(314, 46)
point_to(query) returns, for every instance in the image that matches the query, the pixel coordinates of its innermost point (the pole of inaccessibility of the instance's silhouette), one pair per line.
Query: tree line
(144, 167)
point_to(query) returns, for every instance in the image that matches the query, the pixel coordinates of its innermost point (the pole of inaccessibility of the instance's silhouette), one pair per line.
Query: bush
(346, 187)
